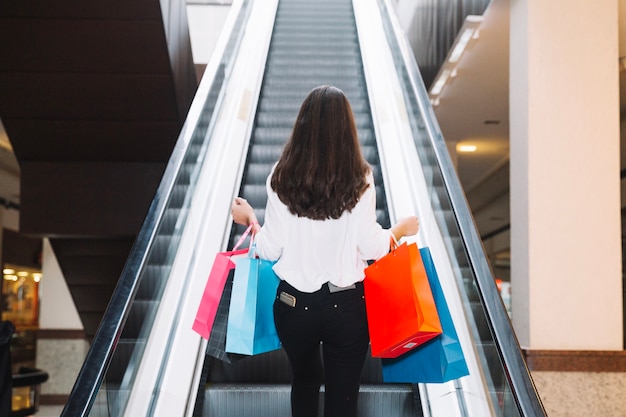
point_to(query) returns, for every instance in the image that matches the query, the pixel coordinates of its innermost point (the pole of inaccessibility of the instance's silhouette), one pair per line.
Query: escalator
(145, 360)
(313, 43)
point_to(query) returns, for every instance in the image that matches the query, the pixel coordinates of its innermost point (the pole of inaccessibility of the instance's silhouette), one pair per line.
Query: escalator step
(313, 43)
(230, 400)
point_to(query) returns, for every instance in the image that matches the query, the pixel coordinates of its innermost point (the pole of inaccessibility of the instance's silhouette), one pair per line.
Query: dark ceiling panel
(101, 46)
(100, 9)
(92, 94)
(94, 140)
(87, 97)
(86, 199)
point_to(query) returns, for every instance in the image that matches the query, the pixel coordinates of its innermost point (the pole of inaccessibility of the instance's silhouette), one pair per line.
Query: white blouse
(310, 253)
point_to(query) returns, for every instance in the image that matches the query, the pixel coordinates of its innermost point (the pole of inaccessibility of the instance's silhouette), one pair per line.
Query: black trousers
(338, 321)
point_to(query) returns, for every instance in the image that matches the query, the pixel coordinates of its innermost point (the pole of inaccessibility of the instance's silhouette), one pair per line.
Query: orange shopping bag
(401, 310)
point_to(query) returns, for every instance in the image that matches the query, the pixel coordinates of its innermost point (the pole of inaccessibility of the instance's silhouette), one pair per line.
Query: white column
(60, 356)
(57, 306)
(565, 183)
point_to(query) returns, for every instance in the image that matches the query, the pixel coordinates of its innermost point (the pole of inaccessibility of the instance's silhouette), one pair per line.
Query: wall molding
(576, 360)
(53, 399)
(60, 334)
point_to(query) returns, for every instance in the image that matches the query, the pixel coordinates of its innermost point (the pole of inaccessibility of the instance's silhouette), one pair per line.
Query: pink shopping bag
(212, 294)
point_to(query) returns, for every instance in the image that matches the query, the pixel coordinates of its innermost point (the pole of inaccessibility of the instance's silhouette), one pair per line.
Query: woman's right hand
(242, 212)
(407, 226)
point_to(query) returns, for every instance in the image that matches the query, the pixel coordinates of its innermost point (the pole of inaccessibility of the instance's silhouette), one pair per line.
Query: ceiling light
(466, 147)
(440, 83)
(8, 271)
(459, 48)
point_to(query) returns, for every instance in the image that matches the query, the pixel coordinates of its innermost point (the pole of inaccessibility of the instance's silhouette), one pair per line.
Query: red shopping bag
(214, 288)
(401, 310)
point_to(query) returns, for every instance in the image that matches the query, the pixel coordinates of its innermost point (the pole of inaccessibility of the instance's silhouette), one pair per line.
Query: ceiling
(473, 106)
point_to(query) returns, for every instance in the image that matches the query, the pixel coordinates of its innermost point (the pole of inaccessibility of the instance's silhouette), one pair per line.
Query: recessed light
(466, 148)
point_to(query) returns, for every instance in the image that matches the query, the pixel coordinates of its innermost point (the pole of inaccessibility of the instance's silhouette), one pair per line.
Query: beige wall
(565, 191)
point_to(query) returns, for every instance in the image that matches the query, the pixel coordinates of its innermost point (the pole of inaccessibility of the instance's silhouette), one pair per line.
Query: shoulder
(268, 180)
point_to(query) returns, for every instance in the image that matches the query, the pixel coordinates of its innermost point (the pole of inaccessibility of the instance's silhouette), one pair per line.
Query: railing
(172, 197)
(509, 382)
(26, 386)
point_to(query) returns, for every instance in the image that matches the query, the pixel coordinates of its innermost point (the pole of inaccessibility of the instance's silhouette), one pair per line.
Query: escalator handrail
(100, 354)
(509, 350)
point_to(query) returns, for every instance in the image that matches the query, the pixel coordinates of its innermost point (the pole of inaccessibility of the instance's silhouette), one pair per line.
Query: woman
(320, 226)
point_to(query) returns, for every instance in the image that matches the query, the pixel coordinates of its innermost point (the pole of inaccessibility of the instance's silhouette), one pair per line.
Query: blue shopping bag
(251, 328)
(438, 360)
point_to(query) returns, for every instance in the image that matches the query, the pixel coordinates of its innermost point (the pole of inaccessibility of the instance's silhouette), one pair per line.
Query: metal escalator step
(276, 119)
(257, 174)
(290, 42)
(272, 136)
(336, 15)
(367, 138)
(121, 359)
(322, 10)
(315, 63)
(267, 154)
(304, 69)
(152, 282)
(284, 119)
(237, 400)
(291, 104)
(314, 43)
(292, 90)
(140, 310)
(303, 65)
(346, 83)
(342, 37)
(255, 194)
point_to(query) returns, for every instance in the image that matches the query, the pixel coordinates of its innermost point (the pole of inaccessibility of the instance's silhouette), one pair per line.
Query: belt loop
(333, 288)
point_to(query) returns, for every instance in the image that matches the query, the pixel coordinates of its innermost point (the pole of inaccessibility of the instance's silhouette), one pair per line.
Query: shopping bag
(216, 345)
(401, 311)
(251, 328)
(438, 360)
(210, 300)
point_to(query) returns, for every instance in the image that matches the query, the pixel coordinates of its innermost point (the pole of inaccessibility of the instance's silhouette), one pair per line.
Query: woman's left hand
(242, 212)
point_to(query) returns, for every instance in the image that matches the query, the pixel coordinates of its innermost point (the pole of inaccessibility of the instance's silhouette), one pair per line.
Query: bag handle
(393, 243)
(244, 235)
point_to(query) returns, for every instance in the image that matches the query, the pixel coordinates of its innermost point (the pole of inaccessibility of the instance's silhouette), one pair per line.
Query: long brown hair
(321, 172)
